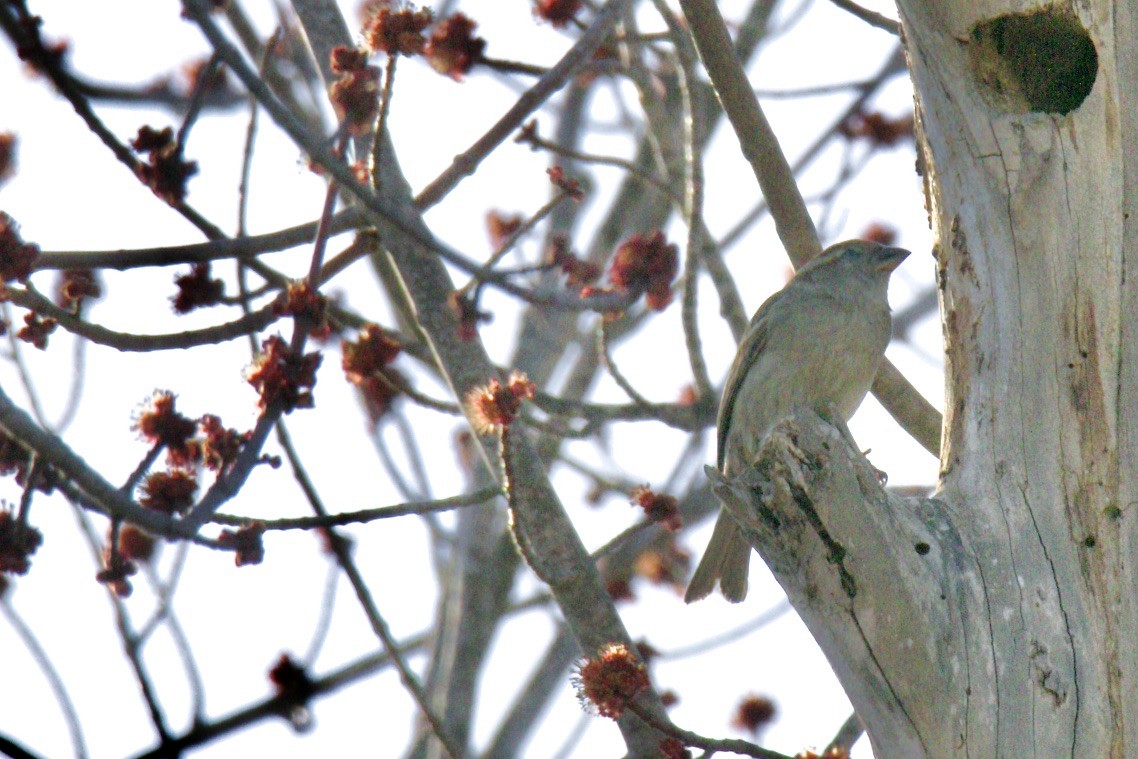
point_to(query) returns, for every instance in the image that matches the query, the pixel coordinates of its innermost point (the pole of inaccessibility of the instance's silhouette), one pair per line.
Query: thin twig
(391, 224)
(693, 201)
(54, 681)
(614, 372)
(133, 343)
(197, 100)
(848, 734)
(582, 51)
(759, 144)
(778, 611)
(689, 738)
(872, 18)
(213, 250)
(378, 623)
(363, 516)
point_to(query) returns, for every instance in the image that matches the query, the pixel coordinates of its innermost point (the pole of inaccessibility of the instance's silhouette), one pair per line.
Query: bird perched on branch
(816, 343)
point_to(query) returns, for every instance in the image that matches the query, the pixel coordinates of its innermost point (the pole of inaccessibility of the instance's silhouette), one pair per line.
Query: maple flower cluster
(306, 304)
(877, 128)
(281, 376)
(295, 688)
(16, 256)
(494, 406)
(75, 287)
(658, 507)
(188, 442)
(165, 172)
(355, 94)
(753, 713)
(197, 289)
(451, 48)
(578, 273)
(366, 365)
(646, 264)
(246, 543)
(608, 682)
(18, 541)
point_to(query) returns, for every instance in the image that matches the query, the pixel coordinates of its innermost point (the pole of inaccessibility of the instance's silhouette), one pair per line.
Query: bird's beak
(889, 259)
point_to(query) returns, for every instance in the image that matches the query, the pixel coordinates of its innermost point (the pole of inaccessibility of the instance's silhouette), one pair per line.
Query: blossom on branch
(877, 128)
(396, 32)
(135, 544)
(281, 376)
(607, 683)
(570, 187)
(246, 542)
(453, 49)
(578, 272)
(169, 492)
(494, 406)
(355, 95)
(165, 172)
(16, 256)
(646, 264)
(36, 329)
(159, 423)
(219, 445)
(365, 364)
(557, 12)
(18, 542)
(753, 713)
(115, 572)
(197, 289)
(501, 227)
(75, 287)
(659, 508)
(302, 302)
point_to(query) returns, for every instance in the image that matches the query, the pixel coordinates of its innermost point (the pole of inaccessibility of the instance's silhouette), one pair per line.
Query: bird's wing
(754, 341)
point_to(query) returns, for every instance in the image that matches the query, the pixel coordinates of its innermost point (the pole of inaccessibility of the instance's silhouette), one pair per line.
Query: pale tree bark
(998, 618)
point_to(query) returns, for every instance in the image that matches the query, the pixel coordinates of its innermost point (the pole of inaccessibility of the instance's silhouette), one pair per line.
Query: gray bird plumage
(816, 343)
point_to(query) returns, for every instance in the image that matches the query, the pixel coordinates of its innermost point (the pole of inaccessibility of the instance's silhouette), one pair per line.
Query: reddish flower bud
(18, 541)
(75, 287)
(246, 542)
(646, 264)
(197, 289)
(16, 256)
(280, 376)
(159, 423)
(609, 681)
(453, 49)
(494, 406)
(753, 713)
(165, 171)
(659, 508)
(170, 492)
(557, 12)
(397, 32)
(355, 95)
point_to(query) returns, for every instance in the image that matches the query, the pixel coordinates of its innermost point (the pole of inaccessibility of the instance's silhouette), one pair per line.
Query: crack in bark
(991, 648)
(892, 692)
(1066, 626)
(836, 552)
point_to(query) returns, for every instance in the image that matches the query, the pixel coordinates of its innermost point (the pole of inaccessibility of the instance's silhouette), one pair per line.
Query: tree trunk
(998, 619)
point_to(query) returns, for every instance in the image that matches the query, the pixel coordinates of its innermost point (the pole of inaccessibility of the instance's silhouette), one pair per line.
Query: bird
(816, 343)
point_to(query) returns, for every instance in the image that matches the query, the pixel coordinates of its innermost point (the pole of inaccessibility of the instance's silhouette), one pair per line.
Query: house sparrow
(816, 343)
